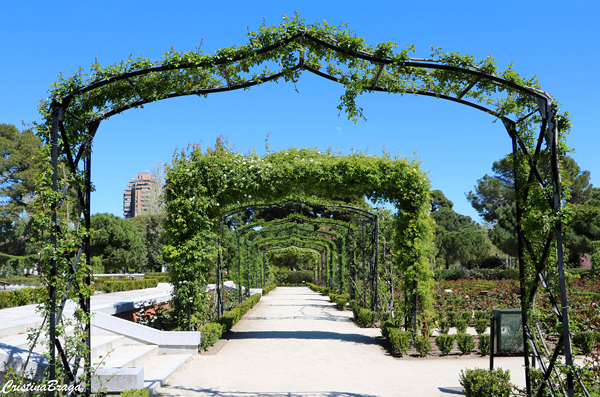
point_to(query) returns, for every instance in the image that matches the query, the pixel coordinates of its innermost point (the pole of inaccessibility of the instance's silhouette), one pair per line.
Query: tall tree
(17, 174)
(494, 192)
(458, 238)
(118, 242)
(439, 201)
(151, 230)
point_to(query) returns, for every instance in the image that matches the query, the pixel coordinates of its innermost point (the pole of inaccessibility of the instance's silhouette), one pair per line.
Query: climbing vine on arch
(203, 184)
(77, 105)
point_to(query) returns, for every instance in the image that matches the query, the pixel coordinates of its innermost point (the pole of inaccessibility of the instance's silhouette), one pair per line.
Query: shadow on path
(218, 393)
(452, 390)
(323, 335)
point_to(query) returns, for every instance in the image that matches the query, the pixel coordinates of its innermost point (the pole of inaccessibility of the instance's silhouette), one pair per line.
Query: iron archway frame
(332, 223)
(77, 133)
(252, 209)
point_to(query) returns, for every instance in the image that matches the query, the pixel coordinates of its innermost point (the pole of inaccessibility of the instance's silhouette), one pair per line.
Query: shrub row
(269, 287)
(113, 285)
(21, 297)
(484, 274)
(340, 300)
(230, 318)
(316, 288)
(23, 280)
(293, 277)
(362, 315)
(212, 332)
(464, 341)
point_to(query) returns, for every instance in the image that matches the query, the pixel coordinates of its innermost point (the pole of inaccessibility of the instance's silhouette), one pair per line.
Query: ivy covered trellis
(79, 103)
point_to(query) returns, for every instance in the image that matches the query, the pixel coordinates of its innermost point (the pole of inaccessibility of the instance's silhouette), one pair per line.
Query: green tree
(458, 238)
(151, 230)
(494, 200)
(118, 242)
(439, 201)
(584, 229)
(17, 174)
(494, 192)
(502, 234)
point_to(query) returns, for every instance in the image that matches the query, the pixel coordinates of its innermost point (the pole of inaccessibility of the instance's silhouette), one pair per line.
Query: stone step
(127, 356)
(100, 343)
(104, 344)
(159, 368)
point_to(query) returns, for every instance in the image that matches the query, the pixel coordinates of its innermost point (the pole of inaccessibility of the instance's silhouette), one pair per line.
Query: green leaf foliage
(480, 382)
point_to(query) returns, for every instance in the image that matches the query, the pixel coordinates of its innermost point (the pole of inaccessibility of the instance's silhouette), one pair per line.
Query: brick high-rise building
(137, 195)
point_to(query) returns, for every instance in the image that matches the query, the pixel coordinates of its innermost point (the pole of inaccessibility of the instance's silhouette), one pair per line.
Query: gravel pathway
(295, 343)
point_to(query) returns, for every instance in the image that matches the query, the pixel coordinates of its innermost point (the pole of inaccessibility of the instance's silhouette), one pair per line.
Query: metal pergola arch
(541, 104)
(254, 208)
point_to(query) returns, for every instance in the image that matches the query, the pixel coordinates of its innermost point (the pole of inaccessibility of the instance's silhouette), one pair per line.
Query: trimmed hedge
(465, 342)
(445, 343)
(114, 285)
(484, 344)
(484, 274)
(136, 393)
(340, 300)
(230, 318)
(293, 277)
(22, 297)
(400, 340)
(268, 288)
(480, 382)
(423, 345)
(210, 334)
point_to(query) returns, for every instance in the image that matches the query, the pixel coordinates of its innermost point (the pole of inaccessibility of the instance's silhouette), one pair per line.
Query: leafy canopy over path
(203, 185)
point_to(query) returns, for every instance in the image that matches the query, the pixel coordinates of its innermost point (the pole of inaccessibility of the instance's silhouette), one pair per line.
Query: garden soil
(295, 343)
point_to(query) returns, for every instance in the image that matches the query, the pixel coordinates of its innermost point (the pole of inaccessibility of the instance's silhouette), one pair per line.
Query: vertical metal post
(218, 288)
(341, 265)
(264, 270)
(321, 270)
(556, 182)
(375, 274)
(520, 248)
(492, 340)
(350, 267)
(53, 239)
(248, 272)
(364, 273)
(88, 281)
(239, 272)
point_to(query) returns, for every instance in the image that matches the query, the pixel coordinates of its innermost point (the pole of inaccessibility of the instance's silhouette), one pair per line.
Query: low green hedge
(269, 287)
(480, 382)
(293, 277)
(22, 297)
(400, 340)
(136, 393)
(484, 344)
(210, 334)
(230, 318)
(23, 280)
(484, 274)
(445, 343)
(366, 317)
(114, 285)
(316, 288)
(465, 342)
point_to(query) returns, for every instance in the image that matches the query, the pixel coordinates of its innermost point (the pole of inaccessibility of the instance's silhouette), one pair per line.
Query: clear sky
(553, 40)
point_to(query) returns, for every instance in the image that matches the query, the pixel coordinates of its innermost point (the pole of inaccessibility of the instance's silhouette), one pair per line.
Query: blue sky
(553, 40)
